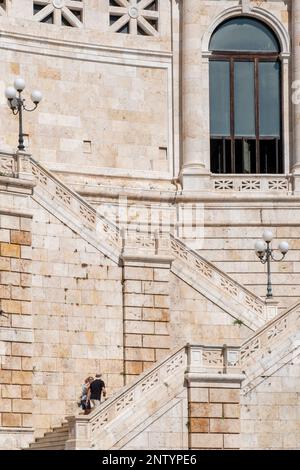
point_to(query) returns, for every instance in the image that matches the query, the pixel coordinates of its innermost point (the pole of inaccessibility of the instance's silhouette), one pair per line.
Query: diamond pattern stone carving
(134, 17)
(200, 266)
(278, 185)
(250, 185)
(59, 12)
(277, 329)
(250, 349)
(6, 166)
(63, 195)
(213, 358)
(223, 185)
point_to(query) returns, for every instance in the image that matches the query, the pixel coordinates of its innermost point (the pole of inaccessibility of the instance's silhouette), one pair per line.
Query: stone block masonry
(16, 334)
(146, 304)
(214, 415)
(77, 310)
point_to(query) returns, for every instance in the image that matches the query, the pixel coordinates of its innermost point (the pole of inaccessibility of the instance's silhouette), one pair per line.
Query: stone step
(53, 446)
(56, 431)
(54, 438)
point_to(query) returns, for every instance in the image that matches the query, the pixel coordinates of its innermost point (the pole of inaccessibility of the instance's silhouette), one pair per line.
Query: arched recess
(257, 13)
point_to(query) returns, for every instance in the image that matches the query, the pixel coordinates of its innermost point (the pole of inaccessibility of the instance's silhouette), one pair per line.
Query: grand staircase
(273, 346)
(115, 420)
(112, 425)
(52, 440)
(74, 211)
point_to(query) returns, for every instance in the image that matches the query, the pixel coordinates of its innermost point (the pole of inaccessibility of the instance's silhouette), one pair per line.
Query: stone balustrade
(103, 428)
(252, 184)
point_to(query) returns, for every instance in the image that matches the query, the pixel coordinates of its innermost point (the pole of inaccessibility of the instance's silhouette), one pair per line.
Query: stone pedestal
(271, 308)
(214, 381)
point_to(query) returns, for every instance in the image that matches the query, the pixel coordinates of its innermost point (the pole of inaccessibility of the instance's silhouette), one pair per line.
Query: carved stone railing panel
(223, 282)
(213, 359)
(137, 391)
(64, 202)
(253, 183)
(190, 359)
(264, 339)
(71, 201)
(7, 165)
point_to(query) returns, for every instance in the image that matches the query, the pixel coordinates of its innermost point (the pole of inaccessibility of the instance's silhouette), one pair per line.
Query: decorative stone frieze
(59, 12)
(134, 17)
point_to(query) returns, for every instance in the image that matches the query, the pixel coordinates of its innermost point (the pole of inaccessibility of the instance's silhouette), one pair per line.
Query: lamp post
(265, 253)
(17, 104)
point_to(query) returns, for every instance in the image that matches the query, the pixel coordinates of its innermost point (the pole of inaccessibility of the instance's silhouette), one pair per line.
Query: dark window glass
(124, 29)
(220, 98)
(244, 34)
(245, 99)
(271, 156)
(49, 19)
(269, 99)
(113, 19)
(245, 156)
(221, 149)
(37, 8)
(77, 13)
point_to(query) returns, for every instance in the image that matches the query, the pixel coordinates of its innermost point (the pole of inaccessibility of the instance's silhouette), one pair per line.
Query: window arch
(245, 98)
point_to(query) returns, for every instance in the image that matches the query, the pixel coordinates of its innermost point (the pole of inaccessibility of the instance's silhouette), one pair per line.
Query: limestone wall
(107, 95)
(230, 233)
(196, 320)
(77, 319)
(167, 429)
(228, 228)
(16, 326)
(270, 413)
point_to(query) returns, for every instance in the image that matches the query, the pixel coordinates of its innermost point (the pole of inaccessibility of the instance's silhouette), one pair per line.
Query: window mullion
(256, 93)
(232, 115)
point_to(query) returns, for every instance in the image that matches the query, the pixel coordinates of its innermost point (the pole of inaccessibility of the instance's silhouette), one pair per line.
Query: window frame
(256, 58)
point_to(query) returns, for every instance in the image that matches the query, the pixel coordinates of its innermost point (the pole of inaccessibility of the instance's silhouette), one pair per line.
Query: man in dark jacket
(97, 388)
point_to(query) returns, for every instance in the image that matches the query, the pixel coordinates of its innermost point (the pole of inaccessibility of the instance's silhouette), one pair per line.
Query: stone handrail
(99, 229)
(23, 165)
(198, 359)
(272, 331)
(214, 275)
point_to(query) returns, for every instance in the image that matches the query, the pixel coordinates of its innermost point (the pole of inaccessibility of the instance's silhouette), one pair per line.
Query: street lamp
(265, 253)
(17, 104)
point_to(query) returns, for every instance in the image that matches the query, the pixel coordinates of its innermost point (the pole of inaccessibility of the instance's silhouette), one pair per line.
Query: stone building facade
(168, 139)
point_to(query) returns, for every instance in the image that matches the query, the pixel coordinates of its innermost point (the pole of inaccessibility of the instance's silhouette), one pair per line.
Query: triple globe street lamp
(16, 102)
(265, 253)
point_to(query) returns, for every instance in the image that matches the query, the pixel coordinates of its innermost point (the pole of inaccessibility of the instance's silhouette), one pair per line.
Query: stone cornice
(31, 43)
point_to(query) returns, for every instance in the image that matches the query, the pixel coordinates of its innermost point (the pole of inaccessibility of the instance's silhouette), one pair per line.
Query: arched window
(245, 98)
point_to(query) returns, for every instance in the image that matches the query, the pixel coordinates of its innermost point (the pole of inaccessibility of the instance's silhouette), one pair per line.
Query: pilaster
(214, 382)
(146, 303)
